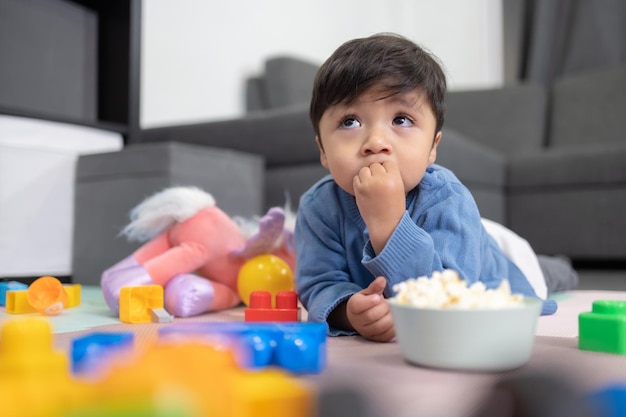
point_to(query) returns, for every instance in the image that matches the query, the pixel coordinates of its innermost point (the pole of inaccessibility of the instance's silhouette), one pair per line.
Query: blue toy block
(609, 401)
(92, 352)
(299, 348)
(9, 286)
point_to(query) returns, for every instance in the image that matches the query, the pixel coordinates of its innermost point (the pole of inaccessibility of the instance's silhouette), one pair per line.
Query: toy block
(603, 329)
(160, 315)
(10, 286)
(136, 303)
(27, 350)
(297, 347)
(93, 352)
(17, 302)
(73, 292)
(260, 307)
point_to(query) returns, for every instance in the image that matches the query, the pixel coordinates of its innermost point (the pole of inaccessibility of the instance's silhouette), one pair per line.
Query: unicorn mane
(161, 210)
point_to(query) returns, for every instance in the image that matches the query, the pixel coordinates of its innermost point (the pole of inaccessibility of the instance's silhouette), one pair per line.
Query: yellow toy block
(17, 302)
(136, 303)
(73, 294)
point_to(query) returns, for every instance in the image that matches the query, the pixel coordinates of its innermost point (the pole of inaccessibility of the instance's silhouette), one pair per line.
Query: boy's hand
(380, 197)
(369, 314)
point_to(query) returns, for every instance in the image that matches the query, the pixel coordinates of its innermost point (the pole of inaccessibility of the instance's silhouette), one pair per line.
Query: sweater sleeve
(322, 278)
(445, 232)
(448, 234)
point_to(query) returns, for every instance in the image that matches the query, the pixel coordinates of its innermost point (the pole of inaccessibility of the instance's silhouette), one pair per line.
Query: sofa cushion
(479, 168)
(471, 161)
(595, 165)
(589, 108)
(511, 119)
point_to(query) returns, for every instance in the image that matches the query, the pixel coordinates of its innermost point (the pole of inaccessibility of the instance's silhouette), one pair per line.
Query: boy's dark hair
(391, 62)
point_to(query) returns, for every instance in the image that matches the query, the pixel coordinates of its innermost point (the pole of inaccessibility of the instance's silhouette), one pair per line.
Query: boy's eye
(402, 121)
(349, 123)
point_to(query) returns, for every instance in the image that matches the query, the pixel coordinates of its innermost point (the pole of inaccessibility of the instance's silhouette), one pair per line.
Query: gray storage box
(109, 185)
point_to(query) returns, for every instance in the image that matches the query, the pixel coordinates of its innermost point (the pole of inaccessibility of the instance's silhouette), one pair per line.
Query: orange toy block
(261, 310)
(137, 303)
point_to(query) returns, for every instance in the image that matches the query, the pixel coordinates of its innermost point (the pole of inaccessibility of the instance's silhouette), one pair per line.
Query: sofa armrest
(283, 137)
(511, 119)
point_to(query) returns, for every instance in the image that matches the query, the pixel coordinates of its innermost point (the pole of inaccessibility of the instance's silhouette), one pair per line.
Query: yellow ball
(264, 273)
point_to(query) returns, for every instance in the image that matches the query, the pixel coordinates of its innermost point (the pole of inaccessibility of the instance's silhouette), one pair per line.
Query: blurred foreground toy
(603, 329)
(609, 401)
(183, 378)
(299, 348)
(194, 250)
(260, 307)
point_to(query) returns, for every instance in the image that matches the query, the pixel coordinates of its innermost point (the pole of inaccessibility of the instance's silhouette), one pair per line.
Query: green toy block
(603, 329)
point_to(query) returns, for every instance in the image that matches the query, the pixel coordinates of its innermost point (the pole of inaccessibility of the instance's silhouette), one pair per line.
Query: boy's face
(397, 129)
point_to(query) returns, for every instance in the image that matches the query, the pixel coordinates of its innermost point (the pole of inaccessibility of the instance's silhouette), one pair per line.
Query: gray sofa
(550, 163)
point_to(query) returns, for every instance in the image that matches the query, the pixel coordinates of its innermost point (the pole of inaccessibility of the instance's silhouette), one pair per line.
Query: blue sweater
(440, 229)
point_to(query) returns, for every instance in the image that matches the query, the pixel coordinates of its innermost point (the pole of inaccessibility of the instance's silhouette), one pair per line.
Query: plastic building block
(17, 302)
(136, 303)
(603, 329)
(260, 307)
(17, 298)
(73, 292)
(299, 348)
(185, 378)
(9, 286)
(160, 315)
(93, 352)
(26, 347)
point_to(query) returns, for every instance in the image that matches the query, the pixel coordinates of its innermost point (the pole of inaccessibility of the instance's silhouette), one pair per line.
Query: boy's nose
(375, 142)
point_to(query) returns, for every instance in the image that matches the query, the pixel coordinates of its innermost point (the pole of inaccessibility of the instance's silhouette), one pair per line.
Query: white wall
(196, 54)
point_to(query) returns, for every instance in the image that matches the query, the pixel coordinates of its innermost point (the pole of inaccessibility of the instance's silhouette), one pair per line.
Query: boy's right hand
(369, 314)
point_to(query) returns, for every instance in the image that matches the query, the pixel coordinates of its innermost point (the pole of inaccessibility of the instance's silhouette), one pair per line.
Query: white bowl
(467, 340)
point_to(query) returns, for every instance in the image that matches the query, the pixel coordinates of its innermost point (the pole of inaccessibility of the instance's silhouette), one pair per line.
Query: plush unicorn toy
(194, 250)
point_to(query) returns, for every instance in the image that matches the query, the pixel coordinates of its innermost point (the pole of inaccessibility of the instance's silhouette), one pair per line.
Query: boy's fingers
(376, 287)
(369, 297)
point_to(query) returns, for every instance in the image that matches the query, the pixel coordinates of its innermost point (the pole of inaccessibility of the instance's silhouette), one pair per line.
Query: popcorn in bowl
(448, 290)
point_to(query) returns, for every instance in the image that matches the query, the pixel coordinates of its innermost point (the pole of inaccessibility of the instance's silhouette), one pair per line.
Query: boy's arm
(322, 281)
(444, 232)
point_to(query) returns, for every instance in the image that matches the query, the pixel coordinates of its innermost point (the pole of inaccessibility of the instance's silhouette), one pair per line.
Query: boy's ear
(323, 159)
(433, 150)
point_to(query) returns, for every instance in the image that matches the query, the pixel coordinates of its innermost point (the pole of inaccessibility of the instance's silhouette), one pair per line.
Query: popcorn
(447, 290)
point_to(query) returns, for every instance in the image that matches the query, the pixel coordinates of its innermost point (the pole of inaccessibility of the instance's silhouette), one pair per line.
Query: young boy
(386, 212)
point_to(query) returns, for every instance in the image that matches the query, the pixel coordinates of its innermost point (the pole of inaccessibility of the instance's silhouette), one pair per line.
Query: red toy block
(260, 308)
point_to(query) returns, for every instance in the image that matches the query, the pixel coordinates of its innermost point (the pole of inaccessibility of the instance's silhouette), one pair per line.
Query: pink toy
(194, 250)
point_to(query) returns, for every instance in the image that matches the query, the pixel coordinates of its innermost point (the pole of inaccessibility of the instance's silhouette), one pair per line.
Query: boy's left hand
(369, 314)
